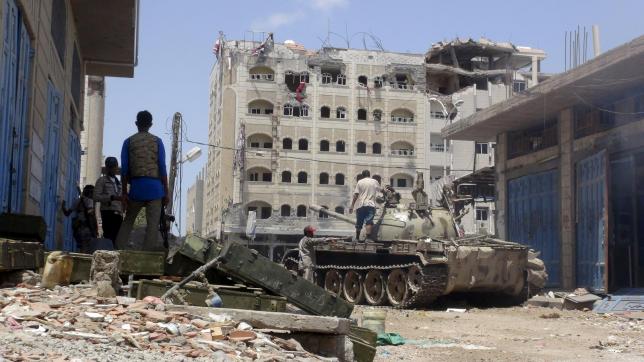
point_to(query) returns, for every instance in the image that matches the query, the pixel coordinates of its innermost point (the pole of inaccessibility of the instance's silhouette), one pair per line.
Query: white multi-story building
(194, 200)
(292, 127)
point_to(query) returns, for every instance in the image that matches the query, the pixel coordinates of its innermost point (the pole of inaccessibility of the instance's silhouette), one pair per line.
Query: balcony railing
(401, 119)
(402, 152)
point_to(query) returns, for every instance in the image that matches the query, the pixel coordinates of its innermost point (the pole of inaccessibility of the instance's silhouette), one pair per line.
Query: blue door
(14, 81)
(50, 203)
(533, 218)
(591, 232)
(71, 191)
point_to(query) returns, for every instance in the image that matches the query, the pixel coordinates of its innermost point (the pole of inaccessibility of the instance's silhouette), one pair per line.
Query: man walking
(307, 252)
(143, 168)
(107, 191)
(364, 200)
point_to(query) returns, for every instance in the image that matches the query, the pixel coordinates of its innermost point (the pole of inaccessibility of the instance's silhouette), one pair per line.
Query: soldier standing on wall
(144, 169)
(307, 252)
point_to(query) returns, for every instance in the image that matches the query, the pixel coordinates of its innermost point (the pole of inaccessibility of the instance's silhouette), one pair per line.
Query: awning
(107, 33)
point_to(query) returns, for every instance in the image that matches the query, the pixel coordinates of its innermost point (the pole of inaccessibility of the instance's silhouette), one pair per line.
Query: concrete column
(535, 71)
(92, 134)
(501, 186)
(566, 192)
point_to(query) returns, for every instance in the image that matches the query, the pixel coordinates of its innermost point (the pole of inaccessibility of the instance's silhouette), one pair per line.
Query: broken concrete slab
(547, 302)
(272, 320)
(580, 302)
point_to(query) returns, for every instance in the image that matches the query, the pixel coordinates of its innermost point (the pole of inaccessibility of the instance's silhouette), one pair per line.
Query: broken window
(296, 110)
(377, 115)
(376, 148)
(339, 179)
(301, 211)
(342, 79)
(303, 144)
(363, 81)
(377, 82)
(339, 209)
(324, 146)
(341, 113)
(325, 112)
(286, 177)
(401, 81)
(402, 116)
(285, 210)
(327, 78)
(302, 177)
(481, 148)
(340, 146)
(287, 144)
(293, 80)
(324, 178)
(362, 114)
(323, 215)
(362, 147)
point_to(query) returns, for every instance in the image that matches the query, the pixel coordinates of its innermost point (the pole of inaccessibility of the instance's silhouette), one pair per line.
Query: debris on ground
(552, 315)
(35, 324)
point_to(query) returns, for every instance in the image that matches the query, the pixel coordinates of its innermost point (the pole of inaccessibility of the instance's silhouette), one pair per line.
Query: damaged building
(292, 127)
(569, 171)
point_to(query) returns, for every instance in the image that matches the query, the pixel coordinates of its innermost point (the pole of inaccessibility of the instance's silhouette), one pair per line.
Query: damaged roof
(481, 47)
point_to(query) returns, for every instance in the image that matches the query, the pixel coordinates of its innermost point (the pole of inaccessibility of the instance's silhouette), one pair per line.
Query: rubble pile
(122, 328)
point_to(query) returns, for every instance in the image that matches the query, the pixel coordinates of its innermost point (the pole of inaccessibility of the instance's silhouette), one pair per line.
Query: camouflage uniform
(307, 256)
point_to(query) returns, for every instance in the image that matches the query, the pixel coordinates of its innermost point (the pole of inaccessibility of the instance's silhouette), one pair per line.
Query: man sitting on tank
(307, 252)
(364, 200)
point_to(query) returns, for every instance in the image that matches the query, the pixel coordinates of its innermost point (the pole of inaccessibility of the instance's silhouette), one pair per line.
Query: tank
(417, 256)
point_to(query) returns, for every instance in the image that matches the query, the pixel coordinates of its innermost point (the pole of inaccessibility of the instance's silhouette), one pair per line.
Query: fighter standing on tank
(144, 169)
(364, 199)
(307, 252)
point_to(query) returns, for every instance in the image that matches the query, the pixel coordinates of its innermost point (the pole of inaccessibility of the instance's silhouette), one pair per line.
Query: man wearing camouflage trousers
(143, 169)
(307, 252)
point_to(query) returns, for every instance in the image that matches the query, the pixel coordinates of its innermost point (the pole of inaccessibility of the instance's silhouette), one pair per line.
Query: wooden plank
(272, 320)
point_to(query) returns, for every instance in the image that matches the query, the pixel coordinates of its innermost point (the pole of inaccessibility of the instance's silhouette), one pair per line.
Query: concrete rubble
(41, 324)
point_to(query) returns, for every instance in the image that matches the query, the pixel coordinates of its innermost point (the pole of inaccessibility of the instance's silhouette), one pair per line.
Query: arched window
(323, 215)
(301, 211)
(260, 106)
(377, 115)
(302, 177)
(340, 146)
(402, 148)
(362, 114)
(324, 146)
(325, 112)
(285, 210)
(263, 209)
(339, 209)
(401, 180)
(363, 81)
(376, 148)
(260, 174)
(339, 179)
(324, 178)
(286, 177)
(341, 113)
(402, 115)
(362, 147)
(287, 144)
(261, 73)
(259, 140)
(303, 144)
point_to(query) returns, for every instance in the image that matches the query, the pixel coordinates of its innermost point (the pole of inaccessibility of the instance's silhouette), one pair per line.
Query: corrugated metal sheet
(591, 221)
(49, 202)
(533, 218)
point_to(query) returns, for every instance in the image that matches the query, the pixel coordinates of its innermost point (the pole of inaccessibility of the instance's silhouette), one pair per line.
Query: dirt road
(516, 334)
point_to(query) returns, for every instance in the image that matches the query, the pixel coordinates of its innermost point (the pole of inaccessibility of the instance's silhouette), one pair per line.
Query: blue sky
(176, 39)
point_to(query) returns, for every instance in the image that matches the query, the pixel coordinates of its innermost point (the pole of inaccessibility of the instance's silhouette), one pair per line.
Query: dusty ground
(516, 334)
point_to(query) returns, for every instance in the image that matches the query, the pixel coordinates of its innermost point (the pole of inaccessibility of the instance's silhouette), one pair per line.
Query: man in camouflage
(307, 252)
(143, 169)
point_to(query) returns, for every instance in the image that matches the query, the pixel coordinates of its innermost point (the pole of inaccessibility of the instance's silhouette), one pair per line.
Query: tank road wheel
(397, 288)
(414, 278)
(333, 281)
(352, 287)
(374, 287)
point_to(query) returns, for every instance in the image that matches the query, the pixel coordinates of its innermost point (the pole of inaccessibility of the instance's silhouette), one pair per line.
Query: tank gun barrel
(333, 214)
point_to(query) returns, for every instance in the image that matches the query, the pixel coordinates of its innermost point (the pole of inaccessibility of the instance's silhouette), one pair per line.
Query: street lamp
(192, 155)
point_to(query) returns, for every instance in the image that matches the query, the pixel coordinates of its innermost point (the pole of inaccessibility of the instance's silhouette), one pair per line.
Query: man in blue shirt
(143, 170)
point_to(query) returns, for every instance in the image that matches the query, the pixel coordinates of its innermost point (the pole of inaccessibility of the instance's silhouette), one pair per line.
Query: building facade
(194, 200)
(290, 127)
(48, 48)
(92, 133)
(569, 172)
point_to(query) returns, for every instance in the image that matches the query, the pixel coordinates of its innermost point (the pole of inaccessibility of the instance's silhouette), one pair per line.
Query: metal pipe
(596, 47)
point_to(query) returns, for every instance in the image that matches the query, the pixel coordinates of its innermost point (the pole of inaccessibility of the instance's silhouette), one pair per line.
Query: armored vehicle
(418, 256)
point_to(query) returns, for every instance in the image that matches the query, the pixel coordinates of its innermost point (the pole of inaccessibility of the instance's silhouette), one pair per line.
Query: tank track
(433, 282)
